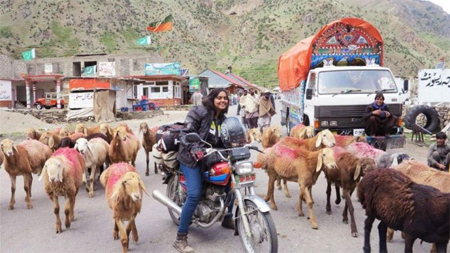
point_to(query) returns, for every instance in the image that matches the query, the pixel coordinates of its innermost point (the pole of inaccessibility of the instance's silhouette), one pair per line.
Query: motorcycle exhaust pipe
(166, 201)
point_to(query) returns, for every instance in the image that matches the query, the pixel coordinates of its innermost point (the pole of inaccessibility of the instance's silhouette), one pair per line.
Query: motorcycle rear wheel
(173, 194)
(264, 234)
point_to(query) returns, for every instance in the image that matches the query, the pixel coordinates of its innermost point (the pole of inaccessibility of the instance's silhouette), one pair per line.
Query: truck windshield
(356, 81)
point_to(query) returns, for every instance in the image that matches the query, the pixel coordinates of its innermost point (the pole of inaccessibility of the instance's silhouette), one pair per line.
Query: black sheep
(419, 211)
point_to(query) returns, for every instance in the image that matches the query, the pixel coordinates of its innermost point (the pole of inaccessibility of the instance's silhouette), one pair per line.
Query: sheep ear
(51, 142)
(357, 171)
(302, 133)
(141, 184)
(319, 162)
(85, 131)
(319, 140)
(43, 172)
(115, 193)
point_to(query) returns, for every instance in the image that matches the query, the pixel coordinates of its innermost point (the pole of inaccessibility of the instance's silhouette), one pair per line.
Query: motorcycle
(253, 222)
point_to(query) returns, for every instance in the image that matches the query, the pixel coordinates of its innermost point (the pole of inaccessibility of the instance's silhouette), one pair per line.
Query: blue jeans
(194, 185)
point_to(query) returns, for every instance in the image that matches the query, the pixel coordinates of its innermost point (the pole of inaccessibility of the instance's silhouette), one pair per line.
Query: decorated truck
(328, 79)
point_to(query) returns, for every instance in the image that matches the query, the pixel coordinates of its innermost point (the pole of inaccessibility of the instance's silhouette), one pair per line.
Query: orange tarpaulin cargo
(341, 37)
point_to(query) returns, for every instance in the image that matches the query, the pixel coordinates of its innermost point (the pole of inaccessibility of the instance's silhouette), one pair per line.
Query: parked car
(47, 102)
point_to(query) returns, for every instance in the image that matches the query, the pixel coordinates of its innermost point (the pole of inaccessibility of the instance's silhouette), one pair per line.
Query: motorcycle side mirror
(193, 137)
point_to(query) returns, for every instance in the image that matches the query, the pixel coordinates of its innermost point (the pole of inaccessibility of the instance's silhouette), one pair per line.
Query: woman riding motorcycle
(204, 120)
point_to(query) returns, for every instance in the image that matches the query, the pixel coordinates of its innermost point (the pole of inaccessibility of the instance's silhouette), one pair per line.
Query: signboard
(81, 100)
(106, 69)
(152, 69)
(5, 90)
(194, 84)
(434, 85)
(48, 68)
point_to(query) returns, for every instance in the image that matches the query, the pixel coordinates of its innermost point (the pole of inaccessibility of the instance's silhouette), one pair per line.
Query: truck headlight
(324, 123)
(333, 123)
(244, 167)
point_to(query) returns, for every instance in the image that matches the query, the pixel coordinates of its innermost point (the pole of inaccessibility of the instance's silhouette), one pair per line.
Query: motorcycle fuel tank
(218, 174)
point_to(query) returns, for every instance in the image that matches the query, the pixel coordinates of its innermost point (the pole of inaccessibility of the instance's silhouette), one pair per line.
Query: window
(156, 89)
(165, 89)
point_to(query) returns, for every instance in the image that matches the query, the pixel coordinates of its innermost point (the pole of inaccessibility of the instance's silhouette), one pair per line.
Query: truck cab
(336, 97)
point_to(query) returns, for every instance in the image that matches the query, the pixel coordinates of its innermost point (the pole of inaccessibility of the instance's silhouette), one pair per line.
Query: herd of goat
(404, 194)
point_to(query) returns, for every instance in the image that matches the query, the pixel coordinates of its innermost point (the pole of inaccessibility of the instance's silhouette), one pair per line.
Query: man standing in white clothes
(197, 98)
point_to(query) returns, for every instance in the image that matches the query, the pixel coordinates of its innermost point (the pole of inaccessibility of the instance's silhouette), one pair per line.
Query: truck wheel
(39, 106)
(431, 116)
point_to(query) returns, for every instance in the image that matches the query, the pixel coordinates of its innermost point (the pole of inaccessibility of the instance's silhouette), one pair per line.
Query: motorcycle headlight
(244, 167)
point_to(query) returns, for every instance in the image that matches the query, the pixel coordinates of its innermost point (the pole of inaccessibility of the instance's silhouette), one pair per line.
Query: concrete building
(25, 82)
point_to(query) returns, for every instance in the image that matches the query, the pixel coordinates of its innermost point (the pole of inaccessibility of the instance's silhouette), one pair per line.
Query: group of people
(257, 111)
(379, 121)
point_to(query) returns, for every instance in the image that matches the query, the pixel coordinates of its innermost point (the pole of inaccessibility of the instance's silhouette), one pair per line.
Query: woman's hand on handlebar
(197, 154)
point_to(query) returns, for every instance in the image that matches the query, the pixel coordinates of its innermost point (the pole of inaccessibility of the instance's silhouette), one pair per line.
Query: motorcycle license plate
(245, 179)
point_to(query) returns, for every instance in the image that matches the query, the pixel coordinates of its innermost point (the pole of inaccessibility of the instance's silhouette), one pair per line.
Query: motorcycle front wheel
(172, 192)
(264, 234)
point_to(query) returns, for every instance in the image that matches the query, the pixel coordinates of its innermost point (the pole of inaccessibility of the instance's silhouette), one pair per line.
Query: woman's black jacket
(198, 120)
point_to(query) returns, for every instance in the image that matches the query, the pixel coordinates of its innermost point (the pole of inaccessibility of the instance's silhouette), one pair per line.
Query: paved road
(24, 230)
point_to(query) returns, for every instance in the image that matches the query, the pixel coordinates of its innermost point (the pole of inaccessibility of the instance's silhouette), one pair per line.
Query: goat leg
(72, 207)
(123, 235)
(115, 231)
(134, 231)
(286, 189)
(367, 228)
(278, 183)
(27, 178)
(300, 202)
(67, 211)
(13, 192)
(439, 247)
(382, 229)
(147, 170)
(389, 234)
(92, 178)
(270, 194)
(56, 212)
(338, 195)
(310, 204)
(409, 242)
(349, 206)
(328, 206)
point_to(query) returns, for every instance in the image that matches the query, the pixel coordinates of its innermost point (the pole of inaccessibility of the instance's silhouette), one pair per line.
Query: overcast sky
(445, 4)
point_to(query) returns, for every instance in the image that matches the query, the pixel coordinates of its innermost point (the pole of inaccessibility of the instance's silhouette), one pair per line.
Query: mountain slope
(205, 35)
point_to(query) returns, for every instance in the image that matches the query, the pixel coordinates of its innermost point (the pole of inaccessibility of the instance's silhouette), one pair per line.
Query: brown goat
(22, 160)
(123, 191)
(349, 172)
(301, 131)
(253, 135)
(51, 139)
(124, 147)
(420, 211)
(148, 140)
(343, 140)
(323, 139)
(33, 134)
(297, 165)
(270, 136)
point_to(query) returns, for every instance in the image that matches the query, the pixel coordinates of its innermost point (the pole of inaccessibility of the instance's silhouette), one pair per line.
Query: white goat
(95, 153)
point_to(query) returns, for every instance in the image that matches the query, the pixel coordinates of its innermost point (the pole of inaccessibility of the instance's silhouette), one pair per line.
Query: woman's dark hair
(208, 101)
(379, 95)
(441, 135)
